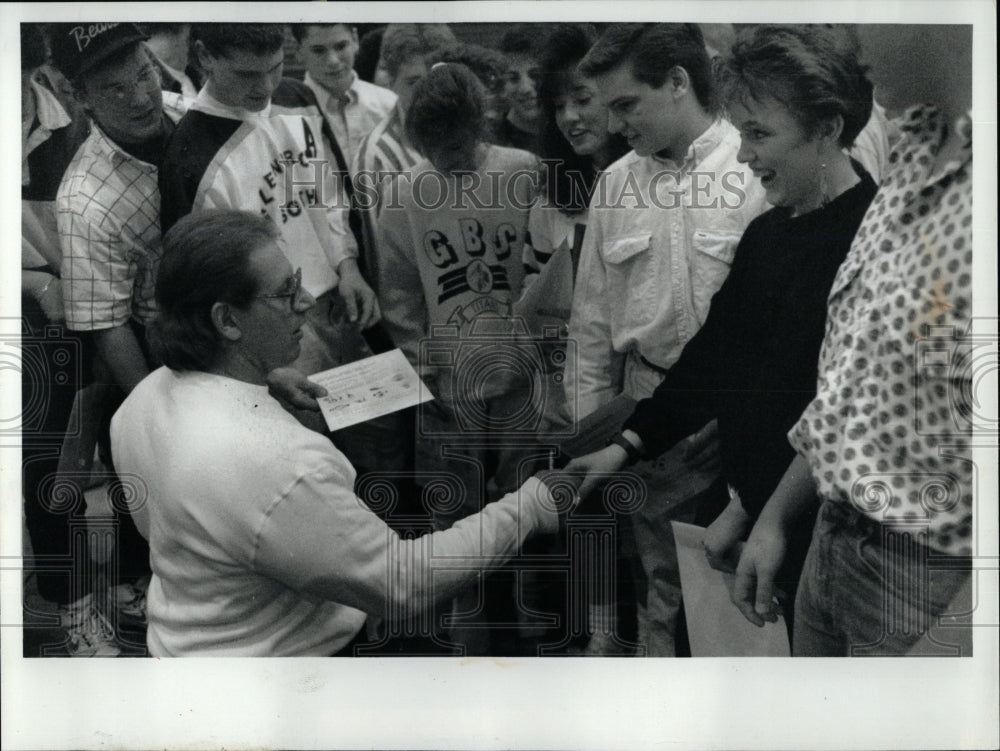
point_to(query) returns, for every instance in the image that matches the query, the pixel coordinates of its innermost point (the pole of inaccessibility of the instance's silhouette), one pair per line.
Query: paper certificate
(368, 388)
(715, 627)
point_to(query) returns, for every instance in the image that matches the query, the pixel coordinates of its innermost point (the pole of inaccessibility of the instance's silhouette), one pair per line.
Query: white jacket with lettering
(278, 162)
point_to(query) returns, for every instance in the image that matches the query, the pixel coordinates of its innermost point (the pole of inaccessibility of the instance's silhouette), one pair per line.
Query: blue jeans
(871, 589)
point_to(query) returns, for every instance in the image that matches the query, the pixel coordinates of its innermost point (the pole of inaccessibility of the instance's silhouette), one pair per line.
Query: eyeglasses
(149, 79)
(295, 295)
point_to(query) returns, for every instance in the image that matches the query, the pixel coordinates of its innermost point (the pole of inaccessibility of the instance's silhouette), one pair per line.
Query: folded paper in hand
(375, 386)
(716, 627)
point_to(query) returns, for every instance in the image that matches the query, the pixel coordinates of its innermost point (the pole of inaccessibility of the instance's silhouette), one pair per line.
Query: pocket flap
(719, 245)
(618, 251)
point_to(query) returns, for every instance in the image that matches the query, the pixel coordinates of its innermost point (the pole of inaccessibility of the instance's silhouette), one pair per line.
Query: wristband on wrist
(630, 449)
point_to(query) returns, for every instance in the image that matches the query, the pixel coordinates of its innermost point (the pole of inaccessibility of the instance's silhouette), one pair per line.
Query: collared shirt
(889, 428)
(354, 115)
(660, 239)
(108, 214)
(182, 80)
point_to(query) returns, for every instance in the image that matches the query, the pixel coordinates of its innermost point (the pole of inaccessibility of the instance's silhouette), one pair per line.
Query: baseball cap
(79, 47)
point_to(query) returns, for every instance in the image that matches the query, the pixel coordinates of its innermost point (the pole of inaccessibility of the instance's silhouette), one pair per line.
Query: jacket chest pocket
(710, 262)
(632, 278)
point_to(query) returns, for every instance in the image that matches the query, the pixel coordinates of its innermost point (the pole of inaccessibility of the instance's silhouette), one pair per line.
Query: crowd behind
(730, 246)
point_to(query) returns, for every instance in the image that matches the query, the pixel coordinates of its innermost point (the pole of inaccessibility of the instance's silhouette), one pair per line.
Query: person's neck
(837, 176)
(149, 150)
(235, 365)
(520, 123)
(338, 93)
(601, 158)
(692, 126)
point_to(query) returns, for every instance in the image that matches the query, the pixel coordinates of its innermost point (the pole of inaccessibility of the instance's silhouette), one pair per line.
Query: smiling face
(647, 117)
(520, 88)
(579, 113)
(125, 98)
(241, 79)
(271, 324)
(327, 53)
(780, 152)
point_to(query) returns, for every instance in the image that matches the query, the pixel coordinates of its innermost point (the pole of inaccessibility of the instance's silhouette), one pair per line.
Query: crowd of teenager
(717, 253)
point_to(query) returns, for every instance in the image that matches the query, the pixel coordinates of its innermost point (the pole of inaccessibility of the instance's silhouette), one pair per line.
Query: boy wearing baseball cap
(108, 217)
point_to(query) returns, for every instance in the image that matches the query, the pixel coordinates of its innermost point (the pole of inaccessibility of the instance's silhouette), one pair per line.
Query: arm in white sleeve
(337, 216)
(597, 376)
(321, 539)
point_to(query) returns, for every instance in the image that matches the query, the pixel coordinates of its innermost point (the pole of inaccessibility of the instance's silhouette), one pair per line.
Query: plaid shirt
(108, 214)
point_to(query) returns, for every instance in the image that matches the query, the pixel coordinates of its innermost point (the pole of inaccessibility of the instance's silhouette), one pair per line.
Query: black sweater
(753, 365)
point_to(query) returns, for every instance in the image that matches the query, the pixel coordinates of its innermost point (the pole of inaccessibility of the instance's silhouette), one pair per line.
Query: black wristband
(630, 449)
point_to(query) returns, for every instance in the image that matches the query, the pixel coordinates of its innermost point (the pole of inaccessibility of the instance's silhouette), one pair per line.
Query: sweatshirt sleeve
(400, 290)
(321, 539)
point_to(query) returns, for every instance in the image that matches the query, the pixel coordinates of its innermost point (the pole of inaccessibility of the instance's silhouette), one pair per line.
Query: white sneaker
(129, 600)
(90, 633)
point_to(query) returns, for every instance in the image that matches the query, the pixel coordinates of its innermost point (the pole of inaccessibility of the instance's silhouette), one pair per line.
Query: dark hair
(487, 65)
(256, 38)
(570, 177)
(206, 259)
(811, 69)
(448, 99)
(301, 30)
(369, 49)
(401, 41)
(653, 49)
(34, 46)
(521, 40)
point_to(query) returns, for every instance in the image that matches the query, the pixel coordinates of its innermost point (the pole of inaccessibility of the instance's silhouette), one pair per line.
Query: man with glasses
(259, 545)
(108, 204)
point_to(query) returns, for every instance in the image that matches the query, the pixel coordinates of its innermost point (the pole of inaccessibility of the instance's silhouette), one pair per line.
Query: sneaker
(129, 600)
(90, 633)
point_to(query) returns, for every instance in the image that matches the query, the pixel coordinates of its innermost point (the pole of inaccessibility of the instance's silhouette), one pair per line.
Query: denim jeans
(871, 589)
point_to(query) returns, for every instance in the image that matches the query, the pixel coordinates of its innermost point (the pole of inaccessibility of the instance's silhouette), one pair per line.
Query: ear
(354, 36)
(678, 80)
(80, 97)
(829, 130)
(205, 57)
(225, 324)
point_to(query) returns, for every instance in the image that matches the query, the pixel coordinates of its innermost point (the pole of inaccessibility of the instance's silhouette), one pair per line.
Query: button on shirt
(355, 114)
(660, 239)
(108, 214)
(889, 428)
